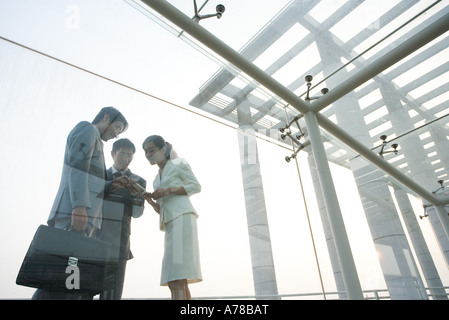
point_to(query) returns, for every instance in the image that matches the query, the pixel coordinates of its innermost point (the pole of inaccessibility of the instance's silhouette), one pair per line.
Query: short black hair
(123, 143)
(114, 115)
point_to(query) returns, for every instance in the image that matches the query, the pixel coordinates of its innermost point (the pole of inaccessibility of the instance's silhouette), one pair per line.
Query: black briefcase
(55, 255)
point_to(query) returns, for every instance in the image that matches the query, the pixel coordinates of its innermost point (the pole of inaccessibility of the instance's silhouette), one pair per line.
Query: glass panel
(78, 58)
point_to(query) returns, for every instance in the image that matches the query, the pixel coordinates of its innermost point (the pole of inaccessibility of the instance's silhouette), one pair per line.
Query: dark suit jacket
(118, 208)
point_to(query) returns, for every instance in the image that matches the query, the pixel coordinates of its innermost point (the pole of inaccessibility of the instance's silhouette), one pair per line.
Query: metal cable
(137, 90)
(307, 211)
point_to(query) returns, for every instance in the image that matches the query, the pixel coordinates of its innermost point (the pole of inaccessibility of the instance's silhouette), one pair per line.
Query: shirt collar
(114, 170)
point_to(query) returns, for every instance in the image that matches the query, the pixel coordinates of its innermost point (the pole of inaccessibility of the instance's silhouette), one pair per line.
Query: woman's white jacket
(176, 173)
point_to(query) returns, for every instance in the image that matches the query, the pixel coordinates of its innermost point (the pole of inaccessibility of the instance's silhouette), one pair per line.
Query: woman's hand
(148, 196)
(163, 192)
(160, 193)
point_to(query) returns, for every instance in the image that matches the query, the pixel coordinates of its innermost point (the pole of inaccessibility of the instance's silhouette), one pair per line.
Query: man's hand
(148, 196)
(121, 182)
(79, 219)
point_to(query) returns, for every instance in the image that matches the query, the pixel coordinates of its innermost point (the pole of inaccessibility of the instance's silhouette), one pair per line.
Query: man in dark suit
(118, 209)
(79, 200)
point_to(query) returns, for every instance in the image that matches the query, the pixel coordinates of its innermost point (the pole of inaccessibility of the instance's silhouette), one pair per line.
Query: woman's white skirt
(181, 253)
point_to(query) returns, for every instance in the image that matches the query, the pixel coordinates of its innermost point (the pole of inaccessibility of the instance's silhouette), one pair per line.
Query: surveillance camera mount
(384, 144)
(286, 131)
(295, 119)
(440, 188)
(425, 215)
(197, 17)
(309, 79)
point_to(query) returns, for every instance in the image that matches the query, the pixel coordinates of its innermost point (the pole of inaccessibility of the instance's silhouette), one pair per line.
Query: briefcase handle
(79, 232)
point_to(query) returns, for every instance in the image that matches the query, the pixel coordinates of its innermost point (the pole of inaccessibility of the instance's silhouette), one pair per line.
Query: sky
(42, 99)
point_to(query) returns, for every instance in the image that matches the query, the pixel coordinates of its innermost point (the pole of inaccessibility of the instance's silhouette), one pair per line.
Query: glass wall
(68, 61)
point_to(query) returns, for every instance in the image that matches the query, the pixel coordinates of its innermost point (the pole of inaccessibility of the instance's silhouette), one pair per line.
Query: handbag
(53, 250)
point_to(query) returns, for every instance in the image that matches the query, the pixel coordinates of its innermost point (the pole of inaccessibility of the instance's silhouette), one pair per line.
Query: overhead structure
(385, 117)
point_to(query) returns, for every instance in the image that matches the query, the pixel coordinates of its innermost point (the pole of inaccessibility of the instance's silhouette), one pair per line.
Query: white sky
(42, 99)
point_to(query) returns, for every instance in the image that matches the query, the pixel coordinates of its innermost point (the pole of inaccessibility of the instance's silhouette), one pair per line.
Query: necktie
(116, 174)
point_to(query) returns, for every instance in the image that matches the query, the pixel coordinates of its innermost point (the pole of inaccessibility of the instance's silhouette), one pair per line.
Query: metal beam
(372, 157)
(215, 44)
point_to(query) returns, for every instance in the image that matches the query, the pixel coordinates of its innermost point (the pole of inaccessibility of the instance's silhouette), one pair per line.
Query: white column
(413, 150)
(443, 215)
(348, 269)
(423, 255)
(264, 275)
(438, 229)
(327, 229)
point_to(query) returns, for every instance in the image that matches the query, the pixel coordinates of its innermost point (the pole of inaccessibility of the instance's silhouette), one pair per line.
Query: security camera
(197, 17)
(220, 9)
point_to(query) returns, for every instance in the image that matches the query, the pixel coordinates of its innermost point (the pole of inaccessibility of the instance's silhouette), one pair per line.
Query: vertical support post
(423, 255)
(437, 224)
(348, 269)
(342, 295)
(264, 275)
(444, 218)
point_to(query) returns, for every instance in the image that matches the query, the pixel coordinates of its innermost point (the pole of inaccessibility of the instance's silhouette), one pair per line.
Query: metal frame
(314, 120)
(215, 44)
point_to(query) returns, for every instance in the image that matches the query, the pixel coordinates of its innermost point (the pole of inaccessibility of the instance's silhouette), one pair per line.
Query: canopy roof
(334, 42)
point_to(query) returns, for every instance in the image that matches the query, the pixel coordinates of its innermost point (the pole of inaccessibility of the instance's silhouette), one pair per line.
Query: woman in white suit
(173, 186)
